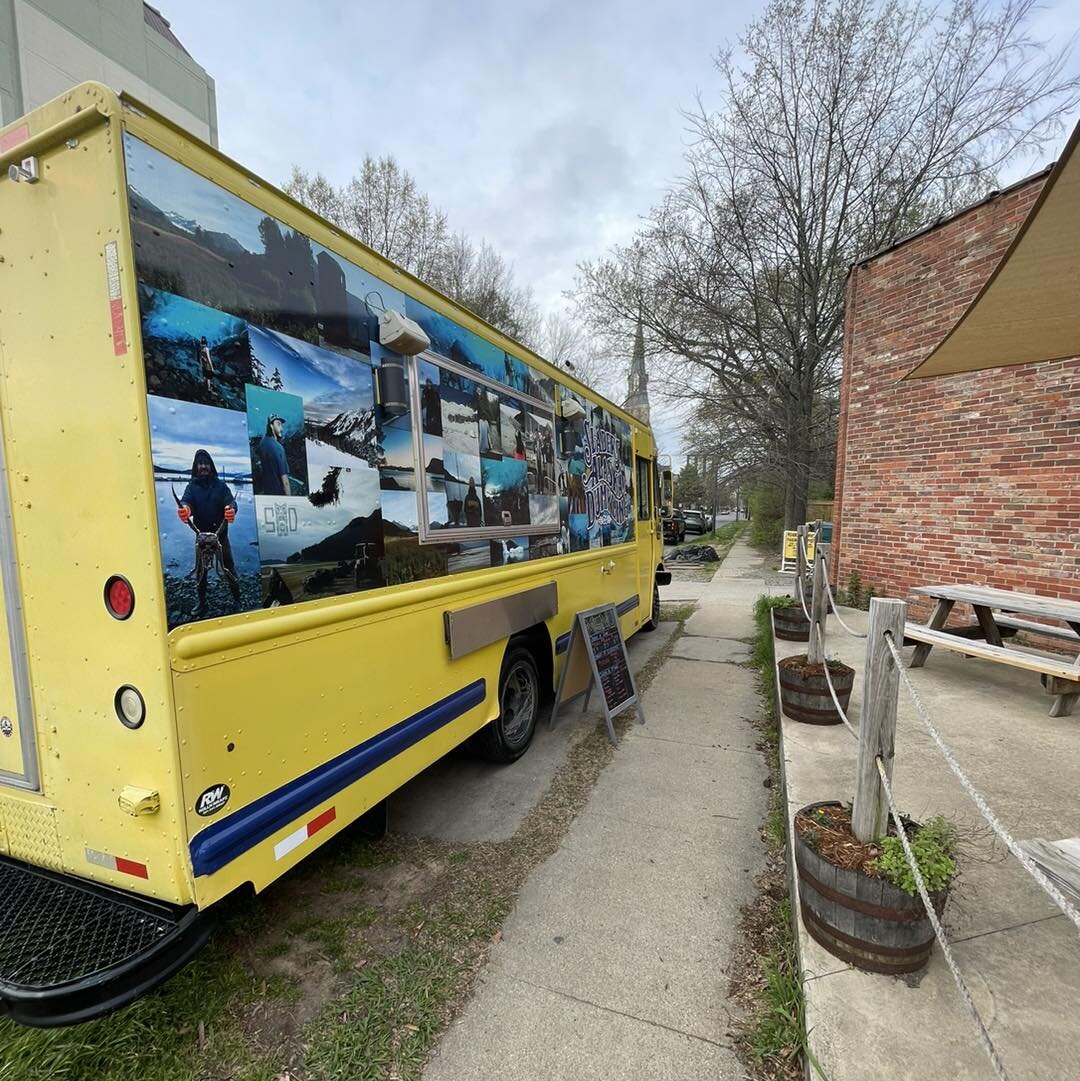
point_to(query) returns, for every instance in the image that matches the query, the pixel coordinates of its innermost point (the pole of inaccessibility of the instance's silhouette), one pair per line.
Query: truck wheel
(508, 736)
(654, 615)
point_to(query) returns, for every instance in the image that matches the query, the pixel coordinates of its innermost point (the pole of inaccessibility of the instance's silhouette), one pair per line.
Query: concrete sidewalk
(1018, 954)
(612, 965)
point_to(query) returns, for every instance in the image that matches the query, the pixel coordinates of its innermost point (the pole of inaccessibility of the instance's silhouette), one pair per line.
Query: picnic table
(997, 610)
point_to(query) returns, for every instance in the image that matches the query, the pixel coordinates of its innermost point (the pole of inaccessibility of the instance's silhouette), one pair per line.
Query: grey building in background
(47, 46)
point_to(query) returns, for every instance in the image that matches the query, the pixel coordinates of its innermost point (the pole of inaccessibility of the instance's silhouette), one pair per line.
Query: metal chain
(1025, 860)
(829, 684)
(965, 994)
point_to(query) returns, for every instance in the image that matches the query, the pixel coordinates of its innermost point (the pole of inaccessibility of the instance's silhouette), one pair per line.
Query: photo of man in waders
(209, 506)
(206, 364)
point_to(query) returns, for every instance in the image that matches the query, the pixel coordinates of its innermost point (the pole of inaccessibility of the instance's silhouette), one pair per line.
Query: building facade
(963, 478)
(47, 46)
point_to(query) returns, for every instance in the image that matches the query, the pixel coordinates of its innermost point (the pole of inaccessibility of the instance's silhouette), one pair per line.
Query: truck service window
(644, 512)
(487, 451)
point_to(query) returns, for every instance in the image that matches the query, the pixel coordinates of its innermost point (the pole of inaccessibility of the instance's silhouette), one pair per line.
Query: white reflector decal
(298, 837)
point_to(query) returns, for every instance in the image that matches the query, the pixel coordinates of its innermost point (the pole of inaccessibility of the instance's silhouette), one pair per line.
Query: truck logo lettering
(212, 800)
(607, 497)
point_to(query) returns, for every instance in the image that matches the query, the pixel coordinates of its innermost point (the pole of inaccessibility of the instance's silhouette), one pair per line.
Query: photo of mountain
(434, 466)
(196, 239)
(399, 513)
(292, 529)
(397, 444)
(337, 390)
(437, 512)
(506, 491)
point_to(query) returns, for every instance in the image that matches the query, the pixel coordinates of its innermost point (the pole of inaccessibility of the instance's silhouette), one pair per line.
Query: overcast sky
(547, 128)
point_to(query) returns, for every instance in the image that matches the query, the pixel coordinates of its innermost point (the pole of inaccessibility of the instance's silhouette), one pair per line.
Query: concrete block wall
(964, 478)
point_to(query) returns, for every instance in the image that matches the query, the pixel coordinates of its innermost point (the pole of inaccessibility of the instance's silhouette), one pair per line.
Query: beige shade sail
(1029, 310)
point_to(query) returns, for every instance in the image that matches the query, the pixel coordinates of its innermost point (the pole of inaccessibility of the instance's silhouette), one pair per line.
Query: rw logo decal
(212, 800)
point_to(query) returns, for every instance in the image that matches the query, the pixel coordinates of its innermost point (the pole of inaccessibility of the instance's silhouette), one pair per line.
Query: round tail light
(119, 597)
(130, 707)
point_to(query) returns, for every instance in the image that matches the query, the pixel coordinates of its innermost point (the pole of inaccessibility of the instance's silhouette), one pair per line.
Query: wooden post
(877, 726)
(819, 609)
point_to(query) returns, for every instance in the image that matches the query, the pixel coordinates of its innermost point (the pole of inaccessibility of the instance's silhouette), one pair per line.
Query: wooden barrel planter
(865, 921)
(804, 694)
(791, 624)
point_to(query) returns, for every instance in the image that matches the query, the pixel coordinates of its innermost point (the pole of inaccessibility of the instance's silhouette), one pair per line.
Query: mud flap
(72, 950)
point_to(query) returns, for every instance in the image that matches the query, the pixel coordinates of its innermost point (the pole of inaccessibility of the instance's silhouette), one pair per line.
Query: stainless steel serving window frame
(445, 536)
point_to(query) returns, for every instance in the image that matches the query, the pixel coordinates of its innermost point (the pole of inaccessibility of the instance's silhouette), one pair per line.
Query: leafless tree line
(843, 126)
(383, 207)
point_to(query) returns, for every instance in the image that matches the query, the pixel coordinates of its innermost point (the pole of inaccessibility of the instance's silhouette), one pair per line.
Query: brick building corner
(963, 478)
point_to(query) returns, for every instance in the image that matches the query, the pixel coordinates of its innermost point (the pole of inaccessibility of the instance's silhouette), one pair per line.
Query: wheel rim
(519, 698)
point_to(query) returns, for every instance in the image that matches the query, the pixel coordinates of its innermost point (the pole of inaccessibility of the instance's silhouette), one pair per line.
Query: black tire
(508, 737)
(654, 614)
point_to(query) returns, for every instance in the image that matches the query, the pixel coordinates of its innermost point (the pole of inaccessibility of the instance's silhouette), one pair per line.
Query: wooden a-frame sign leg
(597, 657)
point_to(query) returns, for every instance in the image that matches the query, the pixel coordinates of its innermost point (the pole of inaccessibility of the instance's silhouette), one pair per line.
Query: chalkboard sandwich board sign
(597, 657)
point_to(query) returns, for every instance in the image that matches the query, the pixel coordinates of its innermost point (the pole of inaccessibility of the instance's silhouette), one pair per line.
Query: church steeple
(637, 390)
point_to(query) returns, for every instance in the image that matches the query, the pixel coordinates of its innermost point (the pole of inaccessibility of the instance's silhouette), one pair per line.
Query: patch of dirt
(827, 831)
(764, 930)
(759, 935)
(801, 666)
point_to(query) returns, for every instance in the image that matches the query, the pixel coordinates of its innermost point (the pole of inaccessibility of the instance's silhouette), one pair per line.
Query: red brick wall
(963, 478)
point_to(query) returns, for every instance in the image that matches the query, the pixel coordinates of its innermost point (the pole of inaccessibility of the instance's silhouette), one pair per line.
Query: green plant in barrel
(933, 845)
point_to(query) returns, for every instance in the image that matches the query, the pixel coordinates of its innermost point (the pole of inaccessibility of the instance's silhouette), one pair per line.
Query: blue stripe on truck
(223, 841)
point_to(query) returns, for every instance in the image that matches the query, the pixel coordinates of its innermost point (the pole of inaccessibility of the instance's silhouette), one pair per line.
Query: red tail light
(119, 597)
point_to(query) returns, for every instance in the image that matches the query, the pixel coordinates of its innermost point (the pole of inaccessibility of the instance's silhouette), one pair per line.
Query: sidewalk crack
(693, 743)
(619, 1013)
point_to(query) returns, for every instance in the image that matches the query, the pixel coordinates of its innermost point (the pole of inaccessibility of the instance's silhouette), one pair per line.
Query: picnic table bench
(1062, 678)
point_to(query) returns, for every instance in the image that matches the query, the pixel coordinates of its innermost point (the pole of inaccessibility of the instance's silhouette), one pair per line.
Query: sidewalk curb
(789, 855)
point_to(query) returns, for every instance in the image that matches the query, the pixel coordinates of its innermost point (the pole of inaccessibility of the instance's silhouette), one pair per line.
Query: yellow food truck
(280, 525)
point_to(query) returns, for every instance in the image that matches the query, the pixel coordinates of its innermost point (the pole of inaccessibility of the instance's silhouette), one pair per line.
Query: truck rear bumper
(72, 950)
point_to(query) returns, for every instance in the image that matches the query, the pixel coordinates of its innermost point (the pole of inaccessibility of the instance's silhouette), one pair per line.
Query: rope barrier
(1025, 860)
(939, 933)
(800, 589)
(828, 682)
(832, 606)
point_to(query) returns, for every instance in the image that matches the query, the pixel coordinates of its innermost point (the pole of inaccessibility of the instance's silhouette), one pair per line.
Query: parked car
(696, 521)
(675, 528)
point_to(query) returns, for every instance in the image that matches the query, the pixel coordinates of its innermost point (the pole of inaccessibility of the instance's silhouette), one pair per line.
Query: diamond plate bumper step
(72, 950)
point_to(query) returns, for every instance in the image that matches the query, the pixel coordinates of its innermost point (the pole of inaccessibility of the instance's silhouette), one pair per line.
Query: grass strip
(773, 1038)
